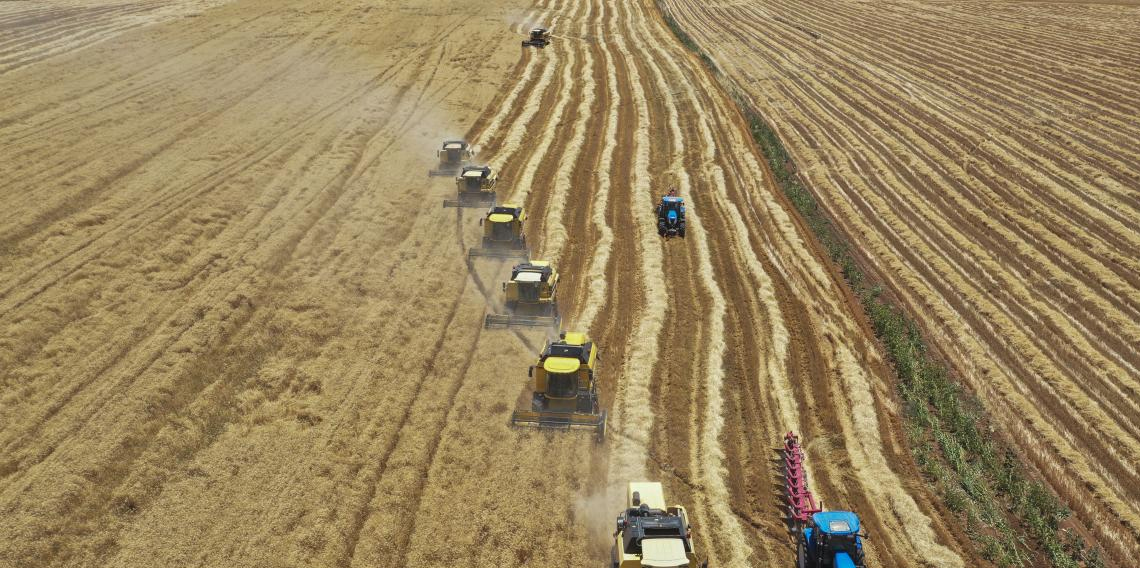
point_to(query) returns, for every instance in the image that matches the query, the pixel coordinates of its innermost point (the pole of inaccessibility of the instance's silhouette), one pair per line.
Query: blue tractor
(831, 540)
(671, 216)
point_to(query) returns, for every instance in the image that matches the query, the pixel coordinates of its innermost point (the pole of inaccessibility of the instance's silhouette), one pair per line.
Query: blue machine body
(671, 216)
(832, 540)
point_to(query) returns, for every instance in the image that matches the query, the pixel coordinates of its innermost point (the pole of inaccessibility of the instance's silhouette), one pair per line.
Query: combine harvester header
(824, 539)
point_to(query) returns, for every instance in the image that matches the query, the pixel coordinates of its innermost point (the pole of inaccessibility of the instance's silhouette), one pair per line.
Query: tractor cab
(539, 37)
(650, 534)
(565, 392)
(671, 216)
(832, 540)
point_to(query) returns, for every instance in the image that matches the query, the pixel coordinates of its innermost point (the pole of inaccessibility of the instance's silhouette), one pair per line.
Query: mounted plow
(824, 539)
(800, 502)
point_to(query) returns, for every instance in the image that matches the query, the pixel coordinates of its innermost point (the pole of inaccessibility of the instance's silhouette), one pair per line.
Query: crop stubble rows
(251, 338)
(985, 158)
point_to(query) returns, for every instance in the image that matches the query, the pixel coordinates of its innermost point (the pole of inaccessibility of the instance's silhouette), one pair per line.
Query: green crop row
(978, 478)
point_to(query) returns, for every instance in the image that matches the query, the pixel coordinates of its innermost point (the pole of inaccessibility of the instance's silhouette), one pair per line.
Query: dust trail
(521, 84)
(633, 419)
(534, 160)
(597, 272)
(523, 21)
(555, 236)
(518, 129)
(708, 455)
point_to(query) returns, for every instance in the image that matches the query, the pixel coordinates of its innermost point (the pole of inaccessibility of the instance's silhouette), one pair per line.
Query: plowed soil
(239, 329)
(985, 157)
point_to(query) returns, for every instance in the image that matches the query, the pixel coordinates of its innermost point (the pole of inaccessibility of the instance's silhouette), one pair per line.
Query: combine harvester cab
(452, 157)
(671, 216)
(530, 297)
(651, 534)
(473, 188)
(824, 539)
(539, 37)
(502, 234)
(565, 391)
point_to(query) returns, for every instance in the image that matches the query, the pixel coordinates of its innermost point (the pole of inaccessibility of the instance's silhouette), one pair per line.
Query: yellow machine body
(474, 187)
(502, 233)
(530, 297)
(565, 390)
(533, 284)
(650, 533)
(452, 157)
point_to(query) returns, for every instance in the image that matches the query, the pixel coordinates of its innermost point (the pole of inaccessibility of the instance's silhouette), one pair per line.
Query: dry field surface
(985, 157)
(238, 328)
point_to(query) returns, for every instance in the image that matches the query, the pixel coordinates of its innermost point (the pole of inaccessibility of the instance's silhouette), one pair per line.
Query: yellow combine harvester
(530, 297)
(452, 157)
(502, 233)
(473, 187)
(565, 391)
(651, 534)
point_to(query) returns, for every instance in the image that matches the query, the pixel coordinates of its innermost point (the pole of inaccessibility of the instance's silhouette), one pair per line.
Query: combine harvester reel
(565, 391)
(473, 188)
(502, 234)
(530, 298)
(539, 37)
(452, 157)
(824, 539)
(651, 534)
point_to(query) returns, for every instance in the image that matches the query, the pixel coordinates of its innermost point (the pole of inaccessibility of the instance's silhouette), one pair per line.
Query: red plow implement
(801, 503)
